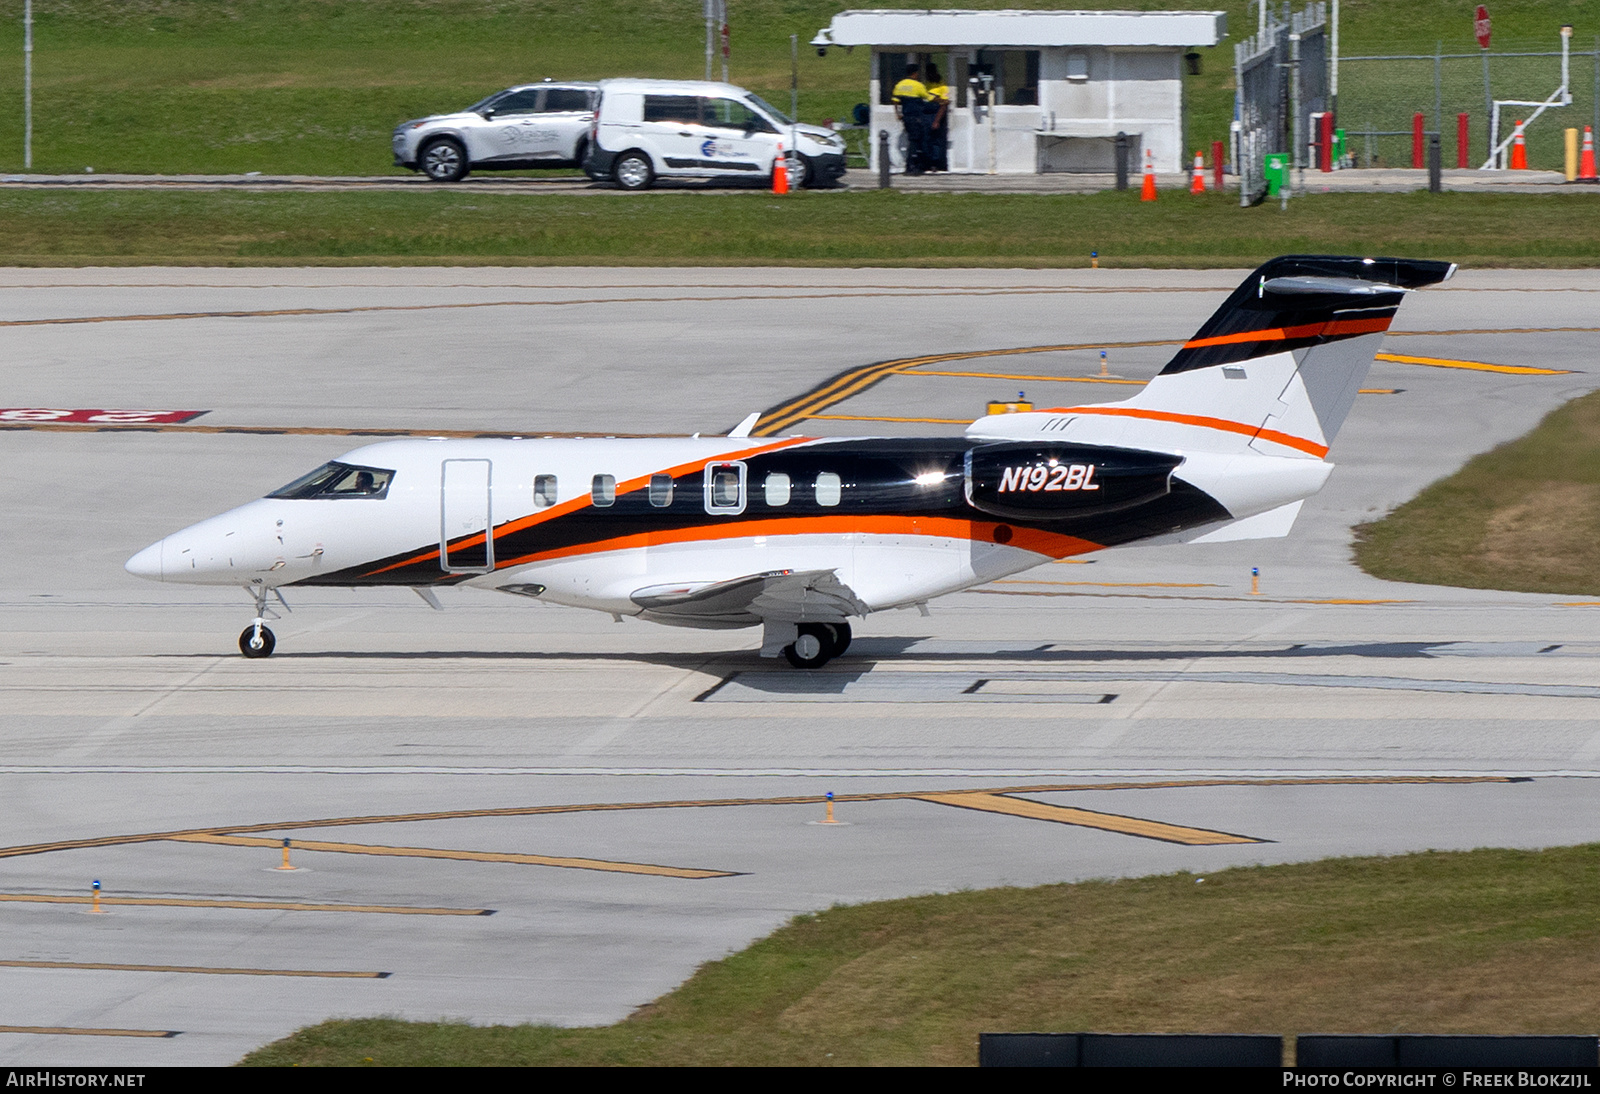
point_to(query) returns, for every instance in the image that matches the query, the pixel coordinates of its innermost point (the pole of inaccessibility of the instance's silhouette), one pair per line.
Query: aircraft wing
(788, 596)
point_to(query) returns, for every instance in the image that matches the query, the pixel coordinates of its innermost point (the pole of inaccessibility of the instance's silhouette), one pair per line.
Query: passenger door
(510, 131)
(466, 509)
(563, 121)
(739, 140)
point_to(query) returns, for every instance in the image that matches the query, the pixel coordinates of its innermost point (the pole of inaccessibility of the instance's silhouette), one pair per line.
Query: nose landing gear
(257, 640)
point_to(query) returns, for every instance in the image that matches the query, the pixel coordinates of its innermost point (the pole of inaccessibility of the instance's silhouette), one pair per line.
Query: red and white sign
(97, 417)
(1480, 26)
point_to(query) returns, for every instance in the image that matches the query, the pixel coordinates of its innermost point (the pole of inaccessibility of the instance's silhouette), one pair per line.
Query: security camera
(822, 51)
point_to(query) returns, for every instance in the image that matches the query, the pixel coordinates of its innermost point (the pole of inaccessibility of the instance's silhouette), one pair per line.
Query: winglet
(743, 428)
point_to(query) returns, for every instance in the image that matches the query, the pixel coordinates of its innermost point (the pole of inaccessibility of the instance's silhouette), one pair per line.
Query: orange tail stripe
(1286, 439)
(1283, 334)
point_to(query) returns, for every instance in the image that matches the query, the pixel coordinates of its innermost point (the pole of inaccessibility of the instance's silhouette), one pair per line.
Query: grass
(315, 86)
(1485, 941)
(755, 228)
(1524, 517)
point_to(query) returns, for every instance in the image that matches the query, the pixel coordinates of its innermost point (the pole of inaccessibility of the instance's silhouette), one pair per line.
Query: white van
(649, 129)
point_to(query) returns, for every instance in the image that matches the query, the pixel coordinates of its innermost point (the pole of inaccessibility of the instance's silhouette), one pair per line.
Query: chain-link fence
(1282, 79)
(1379, 97)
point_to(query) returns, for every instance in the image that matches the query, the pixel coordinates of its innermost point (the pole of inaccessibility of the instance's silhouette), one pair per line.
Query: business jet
(800, 535)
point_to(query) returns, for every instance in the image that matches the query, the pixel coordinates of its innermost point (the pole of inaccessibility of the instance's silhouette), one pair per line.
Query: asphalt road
(433, 767)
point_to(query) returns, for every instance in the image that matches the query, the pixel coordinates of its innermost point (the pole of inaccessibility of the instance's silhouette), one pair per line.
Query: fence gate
(1282, 77)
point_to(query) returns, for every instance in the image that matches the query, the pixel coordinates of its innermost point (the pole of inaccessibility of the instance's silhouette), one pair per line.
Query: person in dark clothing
(910, 103)
(938, 110)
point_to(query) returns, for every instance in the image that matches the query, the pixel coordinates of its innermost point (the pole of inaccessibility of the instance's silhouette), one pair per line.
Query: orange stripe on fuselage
(1049, 544)
(574, 504)
(1288, 440)
(1284, 334)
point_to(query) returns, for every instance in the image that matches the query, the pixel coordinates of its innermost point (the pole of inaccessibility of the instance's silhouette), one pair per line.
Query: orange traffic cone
(1148, 191)
(1586, 172)
(1519, 149)
(780, 173)
(1198, 186)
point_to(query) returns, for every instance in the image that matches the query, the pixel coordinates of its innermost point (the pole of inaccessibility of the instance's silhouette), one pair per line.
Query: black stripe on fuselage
(878, 478)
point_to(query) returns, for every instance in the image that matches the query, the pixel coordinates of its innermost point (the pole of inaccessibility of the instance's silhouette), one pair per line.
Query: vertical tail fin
(1276, 369)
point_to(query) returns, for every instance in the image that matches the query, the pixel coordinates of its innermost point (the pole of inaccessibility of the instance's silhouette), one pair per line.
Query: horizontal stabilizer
(1273, 524)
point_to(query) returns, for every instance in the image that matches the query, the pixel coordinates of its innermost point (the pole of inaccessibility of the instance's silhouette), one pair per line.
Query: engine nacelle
(1046, 481)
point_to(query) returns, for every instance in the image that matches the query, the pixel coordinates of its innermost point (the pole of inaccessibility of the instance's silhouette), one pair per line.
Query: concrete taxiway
(507, 812)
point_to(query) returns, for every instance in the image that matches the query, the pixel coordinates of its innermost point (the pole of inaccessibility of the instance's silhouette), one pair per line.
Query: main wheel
(838, 639)
(812, 648)
(257, 643)
(444, 160)
(632, 171)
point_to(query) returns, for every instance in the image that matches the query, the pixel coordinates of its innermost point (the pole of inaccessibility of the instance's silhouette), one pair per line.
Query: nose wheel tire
(817, 644)
(257, 641)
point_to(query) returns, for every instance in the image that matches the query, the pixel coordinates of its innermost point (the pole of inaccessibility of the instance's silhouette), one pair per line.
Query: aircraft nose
(147, 563)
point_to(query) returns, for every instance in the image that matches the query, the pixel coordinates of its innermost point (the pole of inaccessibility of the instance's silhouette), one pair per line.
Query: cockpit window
(338, 480)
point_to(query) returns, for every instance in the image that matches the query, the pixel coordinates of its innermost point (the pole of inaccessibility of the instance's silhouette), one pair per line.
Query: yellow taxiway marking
(1474, 366)
(1088, 818)
(1025, 378)
(465, 856)
(1120, 584)
(880, 418)
(103, 966)
(82, 1031)
(1579, 604)
(245, 905)
(1379, 390)
(694, 803)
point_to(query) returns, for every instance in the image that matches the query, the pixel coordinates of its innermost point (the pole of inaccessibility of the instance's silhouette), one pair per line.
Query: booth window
(891, 70)
(1015, 72)
(544, 491)
(603, 490)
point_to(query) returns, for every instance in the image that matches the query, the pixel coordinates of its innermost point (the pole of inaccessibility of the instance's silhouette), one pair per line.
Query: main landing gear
(817, 644)
(257, 640)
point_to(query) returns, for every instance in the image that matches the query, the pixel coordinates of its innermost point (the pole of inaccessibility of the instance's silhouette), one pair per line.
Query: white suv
(531, 125)
(649, 129)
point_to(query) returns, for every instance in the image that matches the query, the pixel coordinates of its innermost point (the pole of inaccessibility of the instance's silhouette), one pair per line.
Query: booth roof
(887, 27)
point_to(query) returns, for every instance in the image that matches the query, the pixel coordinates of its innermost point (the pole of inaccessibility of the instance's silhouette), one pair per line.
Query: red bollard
(1416, 141)
(1325, 142)
(1462, 143)
(1216, 164)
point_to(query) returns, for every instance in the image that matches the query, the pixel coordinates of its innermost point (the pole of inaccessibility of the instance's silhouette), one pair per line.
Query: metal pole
(1435, 178)
(711, 34)
(722, 7)
(794, 91)
(1333, 80)
(1439, 107)
(27, 85)
(1489, 115)
(883, 160)
(1296, 136)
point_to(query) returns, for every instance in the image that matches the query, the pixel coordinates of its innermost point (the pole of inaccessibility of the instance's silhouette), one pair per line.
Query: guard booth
(1037, 91)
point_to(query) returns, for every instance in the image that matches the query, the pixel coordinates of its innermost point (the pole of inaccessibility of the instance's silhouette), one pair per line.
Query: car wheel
(444, 160)
(580, 152)
(633, 171)
(801, 173)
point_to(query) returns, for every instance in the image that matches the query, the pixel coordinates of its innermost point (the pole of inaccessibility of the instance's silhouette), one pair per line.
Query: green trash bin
(1276, 171)
(1338, 147)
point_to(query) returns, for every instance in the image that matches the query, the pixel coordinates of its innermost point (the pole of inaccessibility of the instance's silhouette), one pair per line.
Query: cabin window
(661, 491)
(544, 491)
(338, 480)
(603, 490)
(725, 487)
(828, 488)
(776, 488)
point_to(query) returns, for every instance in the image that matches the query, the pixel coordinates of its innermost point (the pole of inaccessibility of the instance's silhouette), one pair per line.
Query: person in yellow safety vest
(910, 105)
(938, 122)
